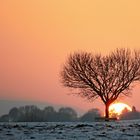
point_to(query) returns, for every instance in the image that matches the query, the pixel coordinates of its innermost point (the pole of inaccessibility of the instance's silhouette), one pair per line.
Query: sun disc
(117, 108)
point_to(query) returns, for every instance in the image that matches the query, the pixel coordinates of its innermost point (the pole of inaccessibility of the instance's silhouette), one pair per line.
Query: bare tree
(106, 77)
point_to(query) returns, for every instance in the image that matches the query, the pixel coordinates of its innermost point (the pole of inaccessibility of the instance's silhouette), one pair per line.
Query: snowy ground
(118, 130)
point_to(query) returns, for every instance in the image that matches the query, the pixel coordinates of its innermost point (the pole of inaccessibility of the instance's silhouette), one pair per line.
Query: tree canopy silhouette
(106, 77)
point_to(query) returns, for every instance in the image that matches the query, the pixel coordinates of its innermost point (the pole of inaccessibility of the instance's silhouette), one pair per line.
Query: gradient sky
(36, 36)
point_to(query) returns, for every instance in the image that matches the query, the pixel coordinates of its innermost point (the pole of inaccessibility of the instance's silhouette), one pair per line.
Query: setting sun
(117, 108)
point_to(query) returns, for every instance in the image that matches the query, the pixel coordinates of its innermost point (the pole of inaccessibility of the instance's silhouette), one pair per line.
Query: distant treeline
(127, 115)
(31, 113)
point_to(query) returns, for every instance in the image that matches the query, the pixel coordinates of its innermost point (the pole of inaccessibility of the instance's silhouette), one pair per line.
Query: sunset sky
(36, 36)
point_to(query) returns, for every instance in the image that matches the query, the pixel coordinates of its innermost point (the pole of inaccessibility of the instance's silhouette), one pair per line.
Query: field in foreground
(118, 130)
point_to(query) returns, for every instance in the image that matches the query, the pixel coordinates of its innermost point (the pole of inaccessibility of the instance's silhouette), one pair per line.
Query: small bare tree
(106, 77)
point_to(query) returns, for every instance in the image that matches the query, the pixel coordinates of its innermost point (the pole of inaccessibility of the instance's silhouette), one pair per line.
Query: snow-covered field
(118, 130)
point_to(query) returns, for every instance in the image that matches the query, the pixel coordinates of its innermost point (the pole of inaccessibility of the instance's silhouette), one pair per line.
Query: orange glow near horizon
(37, 36)
(117, 108)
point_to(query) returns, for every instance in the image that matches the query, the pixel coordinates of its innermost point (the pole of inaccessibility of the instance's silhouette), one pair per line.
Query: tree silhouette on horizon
(105, 77)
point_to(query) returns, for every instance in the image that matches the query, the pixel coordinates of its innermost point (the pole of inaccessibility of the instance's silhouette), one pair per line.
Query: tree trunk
(107, 112)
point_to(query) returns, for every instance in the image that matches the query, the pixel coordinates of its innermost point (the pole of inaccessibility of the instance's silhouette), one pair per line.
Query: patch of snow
(118, 130)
